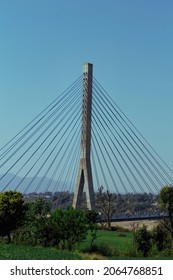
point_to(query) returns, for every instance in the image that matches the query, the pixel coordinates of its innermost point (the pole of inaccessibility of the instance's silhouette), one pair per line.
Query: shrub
(71, 226)
(102, 249)
(24, 236)
(165, 253)
(143, 240)
(35, 229)
(162, 237)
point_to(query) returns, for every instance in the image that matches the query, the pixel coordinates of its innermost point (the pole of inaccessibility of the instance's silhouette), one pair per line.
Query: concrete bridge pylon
(84, 177)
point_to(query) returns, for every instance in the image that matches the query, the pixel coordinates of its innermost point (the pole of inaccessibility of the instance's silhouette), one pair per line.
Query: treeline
(124, 203)
(35, 223)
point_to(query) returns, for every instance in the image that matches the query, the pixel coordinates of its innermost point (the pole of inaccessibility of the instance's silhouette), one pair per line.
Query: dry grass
(130, 225)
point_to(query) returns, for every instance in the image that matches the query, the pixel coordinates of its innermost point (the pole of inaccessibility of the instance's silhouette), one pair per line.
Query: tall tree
(166, 199)
(106, 202)
(12, 211)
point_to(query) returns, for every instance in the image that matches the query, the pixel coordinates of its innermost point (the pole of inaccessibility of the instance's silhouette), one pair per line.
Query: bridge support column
(84, 177)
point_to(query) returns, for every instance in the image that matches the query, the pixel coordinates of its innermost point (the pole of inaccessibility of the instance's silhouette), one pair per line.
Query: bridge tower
(84, 177)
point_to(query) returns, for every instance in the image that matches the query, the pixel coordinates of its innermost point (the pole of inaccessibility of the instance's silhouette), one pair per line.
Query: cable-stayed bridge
(80, 141)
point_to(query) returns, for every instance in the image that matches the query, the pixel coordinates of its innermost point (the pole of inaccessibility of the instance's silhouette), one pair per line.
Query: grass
(112, 245)
(116, 245)
(111, 238)
(120, 243)
(17, 252)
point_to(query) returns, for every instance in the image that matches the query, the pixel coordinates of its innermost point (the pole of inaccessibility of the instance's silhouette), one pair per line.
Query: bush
(23, 236)
(143, 240)
(165, 253)
(162, 237)
(48, 234)
(35, 229)
(103, 249)
(62, 228)
(71, 226)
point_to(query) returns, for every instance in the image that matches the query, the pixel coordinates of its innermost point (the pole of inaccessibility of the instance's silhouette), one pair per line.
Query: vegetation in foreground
(19, 252)
(109, 245)
(33, 231)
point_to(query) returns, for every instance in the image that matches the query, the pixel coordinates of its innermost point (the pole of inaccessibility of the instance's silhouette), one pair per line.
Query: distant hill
(16, 181)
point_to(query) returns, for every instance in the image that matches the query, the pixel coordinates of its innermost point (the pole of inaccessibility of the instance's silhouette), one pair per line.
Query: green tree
(39, 209)
(162, 237)
(12, 212)
(143, 240)
(67, 227)
(166, 199)
(70, 226)
(35, 230)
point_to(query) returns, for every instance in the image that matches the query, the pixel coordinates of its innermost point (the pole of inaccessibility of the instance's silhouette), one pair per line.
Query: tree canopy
(166, 199)
(12, 211)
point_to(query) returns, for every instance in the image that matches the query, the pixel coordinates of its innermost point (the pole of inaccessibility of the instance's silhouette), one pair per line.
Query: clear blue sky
(43, 44)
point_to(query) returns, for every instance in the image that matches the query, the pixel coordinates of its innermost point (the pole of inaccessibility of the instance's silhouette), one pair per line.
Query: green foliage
(162, 237)
(103, 249)
(70, 225)
(110, 239)
(143, 240)
(24, 236)
(91, 216)
(17, 252)
(166, 199)
(48, 234)
(166, 253)
(108, 244)
(39, 209)
(12, 212)
(35, 230)
(62, 228)
(35, 224)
